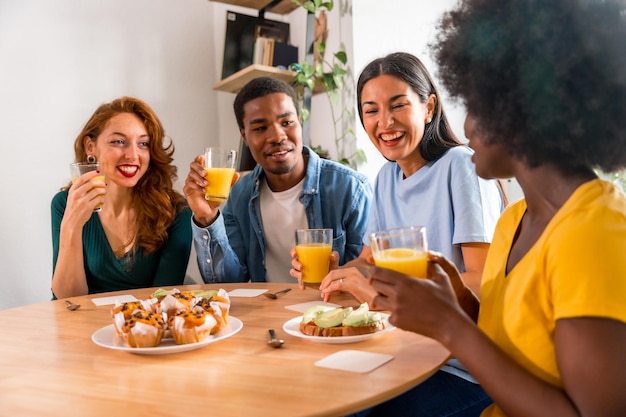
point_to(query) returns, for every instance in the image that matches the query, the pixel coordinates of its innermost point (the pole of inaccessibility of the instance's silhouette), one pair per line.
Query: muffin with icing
(122, 311)
(191, 326)
(143, 329)
(177, 301)
(222, 300)
(219, 306)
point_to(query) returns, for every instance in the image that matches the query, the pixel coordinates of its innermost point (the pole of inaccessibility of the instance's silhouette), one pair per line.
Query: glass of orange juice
(79, 168)
(401, 249)
(219, 165)
(314, 247)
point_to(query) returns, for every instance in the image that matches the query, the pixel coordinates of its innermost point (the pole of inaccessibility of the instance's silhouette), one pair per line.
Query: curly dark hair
(438, 135)
(261, 87)
(547, 79)
(155, 201)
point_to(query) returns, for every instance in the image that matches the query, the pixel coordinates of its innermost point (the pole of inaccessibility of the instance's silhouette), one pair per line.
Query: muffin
(122, 311)
(143, 329)
(219, 306)
(191, 326)
(222, 300)
(176, 301)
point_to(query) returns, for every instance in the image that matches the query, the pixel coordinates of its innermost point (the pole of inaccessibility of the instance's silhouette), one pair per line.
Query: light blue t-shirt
(445, 195)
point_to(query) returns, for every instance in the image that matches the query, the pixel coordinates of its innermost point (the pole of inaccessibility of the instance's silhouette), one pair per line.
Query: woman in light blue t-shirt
(429, 180)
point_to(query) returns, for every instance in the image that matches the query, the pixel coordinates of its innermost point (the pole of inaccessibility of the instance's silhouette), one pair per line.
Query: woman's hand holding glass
(86, 193)
(348, 279)
(421, 305)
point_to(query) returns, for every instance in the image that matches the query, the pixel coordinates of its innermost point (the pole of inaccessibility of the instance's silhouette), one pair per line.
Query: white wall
(59, 60)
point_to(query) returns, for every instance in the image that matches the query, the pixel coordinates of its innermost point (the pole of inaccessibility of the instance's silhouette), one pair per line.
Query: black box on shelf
(284, 55)
(241, 33)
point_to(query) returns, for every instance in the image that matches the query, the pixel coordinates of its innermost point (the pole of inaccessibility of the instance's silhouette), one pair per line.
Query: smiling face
(122, 149)
(394, 118)
(273, 133)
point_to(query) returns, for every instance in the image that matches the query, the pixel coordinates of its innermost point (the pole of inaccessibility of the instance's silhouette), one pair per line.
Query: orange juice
(97, 178)
(407, 261)
(315, 258)
(220, 180)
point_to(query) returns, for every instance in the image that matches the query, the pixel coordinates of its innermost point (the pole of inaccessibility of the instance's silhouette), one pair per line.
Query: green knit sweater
(165, 267)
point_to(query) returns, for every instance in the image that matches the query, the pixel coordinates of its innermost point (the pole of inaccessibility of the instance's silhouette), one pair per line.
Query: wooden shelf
(234, 82)
(283, 7)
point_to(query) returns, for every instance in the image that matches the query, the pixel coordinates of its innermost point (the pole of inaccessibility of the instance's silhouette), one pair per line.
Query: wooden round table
(49, 366)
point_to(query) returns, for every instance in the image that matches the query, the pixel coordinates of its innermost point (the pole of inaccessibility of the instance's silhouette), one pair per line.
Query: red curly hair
(155, 201)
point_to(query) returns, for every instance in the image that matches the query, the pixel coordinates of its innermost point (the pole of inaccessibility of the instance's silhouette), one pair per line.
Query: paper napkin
(102, 301)
(301, 308)
(246, 292)
(354, 361)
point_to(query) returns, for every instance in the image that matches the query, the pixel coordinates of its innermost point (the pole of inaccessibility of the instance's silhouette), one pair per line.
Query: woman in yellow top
(545, 87)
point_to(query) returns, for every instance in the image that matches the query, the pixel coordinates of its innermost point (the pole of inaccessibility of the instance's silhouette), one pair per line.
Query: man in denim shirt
(290, 188)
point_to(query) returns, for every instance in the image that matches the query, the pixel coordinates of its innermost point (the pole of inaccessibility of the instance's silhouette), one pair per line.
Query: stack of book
(263, 51)
(270, 52)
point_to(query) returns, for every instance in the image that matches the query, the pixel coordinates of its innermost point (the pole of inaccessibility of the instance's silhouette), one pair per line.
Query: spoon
(273, 342)
(71, 306)
(273, 295)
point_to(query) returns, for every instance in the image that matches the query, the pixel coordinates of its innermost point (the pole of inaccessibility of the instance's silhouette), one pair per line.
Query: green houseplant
(330, 76)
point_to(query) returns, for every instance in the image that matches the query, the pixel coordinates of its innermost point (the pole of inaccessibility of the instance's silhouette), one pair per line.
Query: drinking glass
(219, 165)
(79, 168)
(314, 247)
(401, 249)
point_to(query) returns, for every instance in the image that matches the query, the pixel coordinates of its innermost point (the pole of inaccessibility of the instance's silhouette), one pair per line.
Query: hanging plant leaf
(304, 114)
(342, 57)
(313, 6)
(329, 76)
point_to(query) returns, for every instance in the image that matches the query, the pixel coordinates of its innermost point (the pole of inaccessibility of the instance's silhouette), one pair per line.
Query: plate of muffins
(169, 322)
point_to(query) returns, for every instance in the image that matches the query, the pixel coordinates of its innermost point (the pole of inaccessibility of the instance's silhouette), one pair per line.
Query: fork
(273, 295)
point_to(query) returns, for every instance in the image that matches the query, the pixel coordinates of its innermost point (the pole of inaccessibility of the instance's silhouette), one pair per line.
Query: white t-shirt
(281, 214)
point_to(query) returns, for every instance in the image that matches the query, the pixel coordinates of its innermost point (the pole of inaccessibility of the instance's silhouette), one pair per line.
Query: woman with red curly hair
(142, 235)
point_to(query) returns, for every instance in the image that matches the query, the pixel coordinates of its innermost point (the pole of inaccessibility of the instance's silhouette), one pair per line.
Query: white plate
(292, 327)
(106, 337)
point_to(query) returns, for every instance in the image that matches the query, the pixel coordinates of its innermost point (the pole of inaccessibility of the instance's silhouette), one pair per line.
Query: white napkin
(246, 292)
(302, 307)
(102, 301)
(354, 361)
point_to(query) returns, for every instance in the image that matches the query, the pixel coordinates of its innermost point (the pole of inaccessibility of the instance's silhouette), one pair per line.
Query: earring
(91, 159)
(428, 120)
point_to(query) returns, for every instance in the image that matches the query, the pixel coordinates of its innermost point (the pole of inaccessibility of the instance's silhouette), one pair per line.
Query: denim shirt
(232, 249)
